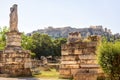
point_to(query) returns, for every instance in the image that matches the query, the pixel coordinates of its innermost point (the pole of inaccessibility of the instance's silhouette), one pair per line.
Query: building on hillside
(63, 32)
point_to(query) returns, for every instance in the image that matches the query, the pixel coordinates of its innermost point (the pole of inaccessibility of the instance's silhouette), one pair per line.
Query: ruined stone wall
(16, 63)
(79, 57)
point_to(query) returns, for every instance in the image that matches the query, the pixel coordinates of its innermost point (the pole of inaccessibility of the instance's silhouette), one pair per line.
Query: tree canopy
(42, 44)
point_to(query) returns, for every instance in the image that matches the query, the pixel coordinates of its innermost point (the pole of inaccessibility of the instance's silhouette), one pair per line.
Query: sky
(39, 14)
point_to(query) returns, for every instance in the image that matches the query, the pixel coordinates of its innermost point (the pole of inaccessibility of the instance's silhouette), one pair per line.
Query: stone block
(71, 51)
(69, 58)
(82, 45)
(65, 71)
(76, 66)
(85, 76)
(92, 44)
(87, 61)
(64, 52)
(85, 51)
(73, 71)
(91, 50)
(69, 62)
(87, 56)
(90, 66)
(78, 51)
(8, 51)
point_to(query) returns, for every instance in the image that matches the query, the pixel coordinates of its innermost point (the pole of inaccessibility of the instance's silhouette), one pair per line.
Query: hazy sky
(39, 14)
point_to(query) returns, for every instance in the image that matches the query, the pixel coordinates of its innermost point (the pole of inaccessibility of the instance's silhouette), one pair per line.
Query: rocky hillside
(63, 32)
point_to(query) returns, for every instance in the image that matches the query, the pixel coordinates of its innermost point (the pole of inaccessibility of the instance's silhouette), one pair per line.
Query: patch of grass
(47, 74)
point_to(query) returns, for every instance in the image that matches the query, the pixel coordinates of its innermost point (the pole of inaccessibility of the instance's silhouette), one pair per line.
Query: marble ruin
(79, 58)
(14, 61)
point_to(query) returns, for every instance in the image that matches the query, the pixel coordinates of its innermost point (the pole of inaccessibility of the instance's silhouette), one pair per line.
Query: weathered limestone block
(87, 56)
(88, 61)
(91, 50)
(71, 51)
(74, 71)
(74, 37)
(82, 45)
(64, 52)
(69, 62)
(92, 44)
(94, 38)
(78, 51)
(71, 66)
(13, 39)
(85, 51)
(85, 76)
(14, 44)
(69, 58)
(88, 51)
(8, 51)
(90, 66)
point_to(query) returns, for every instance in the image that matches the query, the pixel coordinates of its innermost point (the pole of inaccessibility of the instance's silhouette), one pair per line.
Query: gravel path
(29, 79)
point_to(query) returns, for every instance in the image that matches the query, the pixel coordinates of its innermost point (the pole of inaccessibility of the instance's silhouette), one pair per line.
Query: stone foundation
(79, 57)
(14, 60)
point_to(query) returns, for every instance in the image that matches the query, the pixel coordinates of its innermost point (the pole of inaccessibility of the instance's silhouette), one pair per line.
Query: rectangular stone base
(15, 62)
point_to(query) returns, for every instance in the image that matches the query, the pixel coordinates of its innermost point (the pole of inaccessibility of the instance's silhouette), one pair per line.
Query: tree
(3, 37)
(57, 45)
(109, 59)
(42, 45)
(27, 42)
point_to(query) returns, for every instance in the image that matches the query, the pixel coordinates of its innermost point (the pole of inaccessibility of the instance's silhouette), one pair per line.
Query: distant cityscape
(63, 32)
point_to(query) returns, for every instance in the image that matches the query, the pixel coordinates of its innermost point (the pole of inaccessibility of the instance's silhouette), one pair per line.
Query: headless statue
(13, 18)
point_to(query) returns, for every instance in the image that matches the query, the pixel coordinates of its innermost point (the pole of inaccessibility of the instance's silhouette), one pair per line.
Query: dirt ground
(1, 78)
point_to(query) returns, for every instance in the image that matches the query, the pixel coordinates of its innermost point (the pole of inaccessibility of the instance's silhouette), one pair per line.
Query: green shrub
(109, 59)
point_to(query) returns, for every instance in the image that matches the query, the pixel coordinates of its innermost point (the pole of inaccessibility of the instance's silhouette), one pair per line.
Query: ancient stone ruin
(79, 58)
(14, 61)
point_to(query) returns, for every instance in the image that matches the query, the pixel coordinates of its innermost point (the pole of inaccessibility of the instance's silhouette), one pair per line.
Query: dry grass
(47, 74)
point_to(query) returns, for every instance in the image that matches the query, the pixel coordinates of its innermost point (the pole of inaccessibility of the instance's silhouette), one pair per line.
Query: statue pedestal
(17, 63)
(15, 60)
(13, 39)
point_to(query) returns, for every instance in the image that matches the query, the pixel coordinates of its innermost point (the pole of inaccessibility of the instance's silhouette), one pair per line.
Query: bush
(109, 59)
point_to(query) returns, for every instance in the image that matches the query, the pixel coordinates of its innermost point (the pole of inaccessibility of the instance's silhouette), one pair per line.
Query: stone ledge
(69, 62)
(90, 66)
